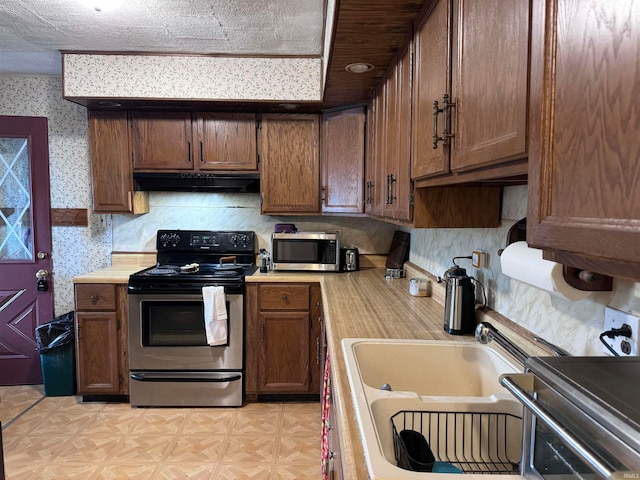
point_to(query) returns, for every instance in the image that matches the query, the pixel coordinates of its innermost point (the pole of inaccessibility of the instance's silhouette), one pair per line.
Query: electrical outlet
(479, 259)
(625, 347)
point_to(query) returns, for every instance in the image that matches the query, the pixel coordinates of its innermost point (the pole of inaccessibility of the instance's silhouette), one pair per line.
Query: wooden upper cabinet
(111, 169)
(584, 173)
(430, 83)
(401, 186)
(342, 158)
(490, 67)
(477, 54)
(226, 141)
(290, 164)
(370, 163)
(161, 141)
(396, 160)
(375, 155)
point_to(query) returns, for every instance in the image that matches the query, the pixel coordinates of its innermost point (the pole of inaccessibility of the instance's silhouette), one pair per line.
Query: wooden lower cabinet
(282, 338)
(101, 339)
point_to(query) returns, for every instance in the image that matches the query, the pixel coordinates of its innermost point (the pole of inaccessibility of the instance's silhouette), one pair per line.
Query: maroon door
(25, 246)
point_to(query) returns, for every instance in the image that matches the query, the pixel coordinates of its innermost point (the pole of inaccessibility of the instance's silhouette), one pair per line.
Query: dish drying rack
(474, 442)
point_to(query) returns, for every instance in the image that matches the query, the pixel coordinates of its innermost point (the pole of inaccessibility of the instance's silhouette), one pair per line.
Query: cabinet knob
(285, 299)
(94, 299)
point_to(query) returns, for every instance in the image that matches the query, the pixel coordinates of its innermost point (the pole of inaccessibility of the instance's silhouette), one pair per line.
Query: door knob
(42, 284)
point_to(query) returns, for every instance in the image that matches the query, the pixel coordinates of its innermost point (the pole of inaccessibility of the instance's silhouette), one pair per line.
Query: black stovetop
(188, 260)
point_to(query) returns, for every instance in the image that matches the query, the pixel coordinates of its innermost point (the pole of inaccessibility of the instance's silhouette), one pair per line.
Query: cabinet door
(490, 65)
(227, 141)
(401, 181)
(97, 353)
(375, 168)
(584, 181)
(290, 170)
(342, 158)
(161, 140)
(390, 122)
(430, 83)
(397, 99)
(284, 366)
(111, 169)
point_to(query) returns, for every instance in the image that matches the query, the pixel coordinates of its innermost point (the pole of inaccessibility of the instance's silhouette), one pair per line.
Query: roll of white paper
(525, 264)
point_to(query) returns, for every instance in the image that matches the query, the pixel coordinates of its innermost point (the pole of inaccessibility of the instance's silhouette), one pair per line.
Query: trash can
(55, 342)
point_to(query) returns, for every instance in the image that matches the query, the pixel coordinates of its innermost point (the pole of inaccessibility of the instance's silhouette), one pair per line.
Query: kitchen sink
(431, 368)
(447, 390)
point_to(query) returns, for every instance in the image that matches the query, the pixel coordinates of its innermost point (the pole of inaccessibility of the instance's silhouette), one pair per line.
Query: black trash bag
(56, 333)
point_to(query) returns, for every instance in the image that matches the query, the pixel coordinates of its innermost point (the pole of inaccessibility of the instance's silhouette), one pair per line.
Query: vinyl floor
(48, 438)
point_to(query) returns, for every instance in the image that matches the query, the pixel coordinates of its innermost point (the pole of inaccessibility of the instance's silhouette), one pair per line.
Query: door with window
(25, 246)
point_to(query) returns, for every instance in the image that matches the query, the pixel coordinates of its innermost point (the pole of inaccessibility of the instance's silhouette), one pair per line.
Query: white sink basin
(431, 368)
(428, 376)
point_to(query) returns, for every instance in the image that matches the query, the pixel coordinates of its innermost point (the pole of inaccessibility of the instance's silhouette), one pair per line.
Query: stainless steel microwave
(306, 251)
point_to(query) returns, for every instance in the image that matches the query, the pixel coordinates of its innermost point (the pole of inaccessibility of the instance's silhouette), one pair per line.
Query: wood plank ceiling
(368, 31)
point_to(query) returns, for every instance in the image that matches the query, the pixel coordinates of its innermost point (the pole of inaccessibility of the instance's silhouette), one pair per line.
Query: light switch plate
(615, 319)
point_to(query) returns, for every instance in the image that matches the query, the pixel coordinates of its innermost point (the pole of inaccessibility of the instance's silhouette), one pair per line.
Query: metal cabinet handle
(317, 350)
(201, 153)
(446, 111)
(262, 333)
(388, 201)
(436, 112)
(189, 152)
(574, 443)
(285, 299)
(94, 299)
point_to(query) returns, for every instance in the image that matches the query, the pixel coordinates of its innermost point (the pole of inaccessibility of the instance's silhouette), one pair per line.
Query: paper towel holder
(587, 280)
(576, 277)
(517, 233)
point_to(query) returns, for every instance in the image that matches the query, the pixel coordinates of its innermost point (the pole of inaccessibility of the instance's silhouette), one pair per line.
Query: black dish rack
(474, 442)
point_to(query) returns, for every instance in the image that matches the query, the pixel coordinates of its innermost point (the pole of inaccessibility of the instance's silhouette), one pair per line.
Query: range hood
(197, 182)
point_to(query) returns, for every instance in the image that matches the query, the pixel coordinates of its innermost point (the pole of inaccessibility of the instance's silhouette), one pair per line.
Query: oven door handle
(511, 383)
(218, 377)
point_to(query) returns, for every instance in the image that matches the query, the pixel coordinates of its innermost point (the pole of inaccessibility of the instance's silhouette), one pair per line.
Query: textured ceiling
(32, 32)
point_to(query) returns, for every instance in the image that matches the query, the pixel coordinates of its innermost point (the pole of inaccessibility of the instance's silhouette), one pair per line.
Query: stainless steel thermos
(460, 302)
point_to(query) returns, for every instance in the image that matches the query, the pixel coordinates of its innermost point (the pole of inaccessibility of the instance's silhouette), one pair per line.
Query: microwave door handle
(575, 444)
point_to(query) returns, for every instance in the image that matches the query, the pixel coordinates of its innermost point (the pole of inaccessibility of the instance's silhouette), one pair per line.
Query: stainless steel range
(172, 359)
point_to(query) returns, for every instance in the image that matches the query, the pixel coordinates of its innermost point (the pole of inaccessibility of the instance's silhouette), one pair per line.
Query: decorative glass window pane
(16, 234)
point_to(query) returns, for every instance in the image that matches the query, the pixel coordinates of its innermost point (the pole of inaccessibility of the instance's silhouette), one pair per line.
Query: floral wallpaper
(192, 77)
(75, 250)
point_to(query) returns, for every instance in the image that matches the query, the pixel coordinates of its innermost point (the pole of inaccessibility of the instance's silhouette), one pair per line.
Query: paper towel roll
(525, 264)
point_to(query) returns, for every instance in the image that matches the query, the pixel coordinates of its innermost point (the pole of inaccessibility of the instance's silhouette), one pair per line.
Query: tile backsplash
(78, 250)
(236, 211)
(574, 326)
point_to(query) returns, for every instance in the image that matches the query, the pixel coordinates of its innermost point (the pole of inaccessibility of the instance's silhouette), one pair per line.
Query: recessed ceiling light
(289, 106)
(102, 5)
(359, 67)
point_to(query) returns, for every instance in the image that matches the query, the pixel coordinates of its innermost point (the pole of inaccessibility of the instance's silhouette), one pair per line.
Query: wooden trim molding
(69, 217)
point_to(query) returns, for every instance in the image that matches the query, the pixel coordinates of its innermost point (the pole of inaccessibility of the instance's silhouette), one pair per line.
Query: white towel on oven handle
(215, 315)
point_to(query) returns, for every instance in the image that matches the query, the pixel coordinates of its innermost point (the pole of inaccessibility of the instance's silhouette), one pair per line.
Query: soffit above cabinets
(322, 35)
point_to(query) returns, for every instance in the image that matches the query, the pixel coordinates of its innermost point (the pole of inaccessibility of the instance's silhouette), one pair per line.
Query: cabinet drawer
(95, 296)
(284, 297)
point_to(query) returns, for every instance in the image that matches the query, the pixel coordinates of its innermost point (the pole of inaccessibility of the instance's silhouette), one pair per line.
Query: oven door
(167, 333)
(561, 440)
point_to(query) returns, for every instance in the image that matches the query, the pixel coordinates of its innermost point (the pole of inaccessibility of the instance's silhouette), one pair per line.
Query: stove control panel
(199, 240)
